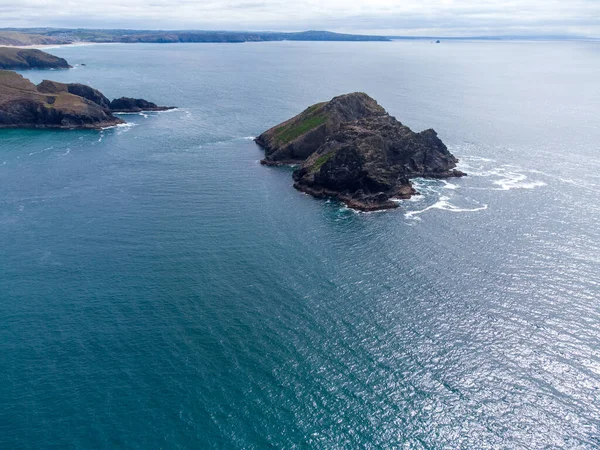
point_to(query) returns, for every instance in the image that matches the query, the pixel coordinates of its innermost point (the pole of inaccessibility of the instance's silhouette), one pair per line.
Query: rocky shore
(59, 105)
(351, 149)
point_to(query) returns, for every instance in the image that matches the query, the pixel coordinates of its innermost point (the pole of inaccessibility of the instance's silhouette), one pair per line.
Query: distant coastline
(51, 37)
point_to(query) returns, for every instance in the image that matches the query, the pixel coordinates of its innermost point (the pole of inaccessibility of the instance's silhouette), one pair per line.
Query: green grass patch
(291, 132)
(321, 160)
(312, 108)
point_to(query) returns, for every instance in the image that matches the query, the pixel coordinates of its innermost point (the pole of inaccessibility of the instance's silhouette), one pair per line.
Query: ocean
(159, 288)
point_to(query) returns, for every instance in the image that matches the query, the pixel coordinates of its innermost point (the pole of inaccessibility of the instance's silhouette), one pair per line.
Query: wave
(120, 125)
(171, 110)
(41, 151)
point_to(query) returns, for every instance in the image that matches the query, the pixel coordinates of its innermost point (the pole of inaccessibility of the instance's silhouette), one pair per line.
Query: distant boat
(437, 42)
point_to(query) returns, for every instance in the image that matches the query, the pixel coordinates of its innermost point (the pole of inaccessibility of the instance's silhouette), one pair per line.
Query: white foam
(249, 138)
(514, 180)
(169, 110)
(509, 176)
(120, 125)
(444, 204)
(448, 185)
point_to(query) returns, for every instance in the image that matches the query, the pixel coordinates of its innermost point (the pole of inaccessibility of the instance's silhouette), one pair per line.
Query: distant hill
(8, 37)
(65, 36)
(20, 59)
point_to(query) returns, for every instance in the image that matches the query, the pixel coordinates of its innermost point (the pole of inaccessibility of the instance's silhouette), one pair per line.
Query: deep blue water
(159, 288)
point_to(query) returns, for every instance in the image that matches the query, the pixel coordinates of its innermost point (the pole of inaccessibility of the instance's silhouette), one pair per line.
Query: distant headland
(21, 59)
(351, 149)
(58, 105)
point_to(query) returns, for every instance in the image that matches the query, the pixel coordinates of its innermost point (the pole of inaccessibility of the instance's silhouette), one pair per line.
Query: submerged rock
(366, 160)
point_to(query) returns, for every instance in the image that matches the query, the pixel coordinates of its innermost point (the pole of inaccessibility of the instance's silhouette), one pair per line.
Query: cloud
(405, 17)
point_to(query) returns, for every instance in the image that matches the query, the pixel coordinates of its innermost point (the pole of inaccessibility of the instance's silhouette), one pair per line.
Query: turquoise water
(159, 288)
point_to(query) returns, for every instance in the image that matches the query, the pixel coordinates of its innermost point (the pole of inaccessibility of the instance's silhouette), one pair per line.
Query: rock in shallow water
(126, 104)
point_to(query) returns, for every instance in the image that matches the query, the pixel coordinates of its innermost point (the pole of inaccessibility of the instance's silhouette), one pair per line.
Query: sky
(383, 17)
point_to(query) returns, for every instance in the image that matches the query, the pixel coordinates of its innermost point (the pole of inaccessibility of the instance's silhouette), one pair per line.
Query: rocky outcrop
(58, 105)
(22, 105)
(294, 140)
(22, 59)
(366, 160)
(126, 104)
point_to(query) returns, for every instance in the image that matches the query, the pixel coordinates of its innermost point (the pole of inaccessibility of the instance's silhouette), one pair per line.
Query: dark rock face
(126, 104)
(366, 162)
(24, 105)
(21, 59)
(81, 90)
(90, 93)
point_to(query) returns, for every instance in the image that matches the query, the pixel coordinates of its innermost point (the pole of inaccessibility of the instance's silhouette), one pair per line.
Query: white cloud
(411, 17)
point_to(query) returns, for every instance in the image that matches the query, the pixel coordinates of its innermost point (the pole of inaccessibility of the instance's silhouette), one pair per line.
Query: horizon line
(378, 35)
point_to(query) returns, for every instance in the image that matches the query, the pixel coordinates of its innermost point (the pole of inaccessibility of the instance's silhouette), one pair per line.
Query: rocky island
(23, 59)
(58, 105)
(351, 149)
(126, 104)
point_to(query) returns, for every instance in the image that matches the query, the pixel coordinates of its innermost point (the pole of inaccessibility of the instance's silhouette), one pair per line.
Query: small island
(58, 105)
(351, 149)
(24, 59)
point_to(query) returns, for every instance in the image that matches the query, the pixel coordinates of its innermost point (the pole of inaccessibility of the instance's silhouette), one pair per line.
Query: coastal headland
(61, 105)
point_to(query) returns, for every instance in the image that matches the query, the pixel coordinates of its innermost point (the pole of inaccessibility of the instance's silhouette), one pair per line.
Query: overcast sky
(389, 17)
